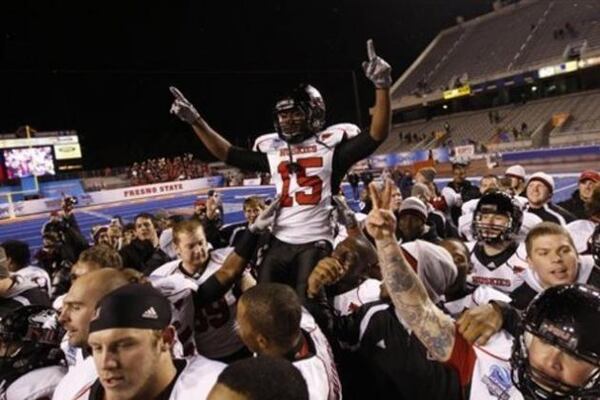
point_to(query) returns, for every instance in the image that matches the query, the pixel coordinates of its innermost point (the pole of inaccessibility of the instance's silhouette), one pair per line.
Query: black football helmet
(30, 338)
(496, 203)
(594, 245)
(566, 317)
(306, 99)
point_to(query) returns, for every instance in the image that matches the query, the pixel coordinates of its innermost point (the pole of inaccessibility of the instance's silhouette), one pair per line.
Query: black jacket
(575, 206)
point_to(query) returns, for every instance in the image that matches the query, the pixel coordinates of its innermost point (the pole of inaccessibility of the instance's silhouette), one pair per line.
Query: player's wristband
(246, 246)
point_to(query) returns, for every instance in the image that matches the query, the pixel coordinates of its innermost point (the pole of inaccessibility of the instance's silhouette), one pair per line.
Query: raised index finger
(371, 49)
(175, 92)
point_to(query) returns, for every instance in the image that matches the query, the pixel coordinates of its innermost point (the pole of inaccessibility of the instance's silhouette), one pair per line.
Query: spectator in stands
(540, 188)
(516, 174)
(260, 378)
(576, 205)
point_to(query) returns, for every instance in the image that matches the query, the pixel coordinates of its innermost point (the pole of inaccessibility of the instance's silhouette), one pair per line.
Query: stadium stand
(513, 38)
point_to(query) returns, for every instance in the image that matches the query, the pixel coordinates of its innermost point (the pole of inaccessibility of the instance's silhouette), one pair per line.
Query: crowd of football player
(455, 292)
(477, 250)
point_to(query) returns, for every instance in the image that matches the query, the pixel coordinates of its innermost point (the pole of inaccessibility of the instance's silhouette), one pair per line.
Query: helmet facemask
(292, 123)
(491, 232)
(299, 115)
(534, 383)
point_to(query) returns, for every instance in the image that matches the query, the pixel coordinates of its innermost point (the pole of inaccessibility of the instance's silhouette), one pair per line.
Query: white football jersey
(306, 192)
(581, 230)
(318, 369)
(491, 378)
(193, 383)
(77, 381)
(481, 295)
(38, 276)
(35, 385)
(210, 331)
(504, 272)
(349, 301)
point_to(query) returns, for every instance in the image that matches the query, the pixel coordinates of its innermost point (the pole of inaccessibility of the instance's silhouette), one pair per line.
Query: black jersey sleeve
(355, 149)
(349, 152)
(247, 160)
(210, 291)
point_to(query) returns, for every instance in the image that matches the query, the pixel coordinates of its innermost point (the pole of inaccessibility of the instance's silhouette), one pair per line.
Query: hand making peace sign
(381, 222)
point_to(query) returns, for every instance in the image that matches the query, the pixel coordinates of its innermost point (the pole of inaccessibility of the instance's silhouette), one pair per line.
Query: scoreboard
(44, 153)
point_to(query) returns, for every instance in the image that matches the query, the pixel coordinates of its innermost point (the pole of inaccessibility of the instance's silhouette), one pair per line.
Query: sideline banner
(20, 208)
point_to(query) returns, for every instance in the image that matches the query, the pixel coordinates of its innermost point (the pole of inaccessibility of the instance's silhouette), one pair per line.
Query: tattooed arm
(433, 328)
(412, 304)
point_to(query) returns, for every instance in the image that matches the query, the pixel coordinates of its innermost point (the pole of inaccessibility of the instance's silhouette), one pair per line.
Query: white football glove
(182, 107)
(266, 218)
(376, 69)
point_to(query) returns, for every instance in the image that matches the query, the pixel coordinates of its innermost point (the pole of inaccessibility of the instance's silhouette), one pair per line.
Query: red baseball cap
(589, 175)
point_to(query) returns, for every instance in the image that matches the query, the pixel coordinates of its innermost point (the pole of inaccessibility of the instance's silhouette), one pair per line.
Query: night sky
(103, 68)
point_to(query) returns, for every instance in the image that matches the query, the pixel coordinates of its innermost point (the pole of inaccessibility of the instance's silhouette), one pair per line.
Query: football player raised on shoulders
(307, 161)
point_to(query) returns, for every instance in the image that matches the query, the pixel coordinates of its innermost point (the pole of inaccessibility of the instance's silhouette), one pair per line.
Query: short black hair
(145, 215)
(18, 252)
(276, 312)
(265, 378)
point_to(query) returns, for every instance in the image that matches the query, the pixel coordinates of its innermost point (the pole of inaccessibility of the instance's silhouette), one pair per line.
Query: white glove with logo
(376, 69)
(266, 218)
(182, 107)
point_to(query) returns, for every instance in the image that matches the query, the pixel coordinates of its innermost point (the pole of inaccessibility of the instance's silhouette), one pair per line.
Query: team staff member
(307, 164)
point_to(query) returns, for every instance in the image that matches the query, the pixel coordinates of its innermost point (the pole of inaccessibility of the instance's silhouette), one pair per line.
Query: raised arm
(214, 142)
(236, 262)
(185, 110)
(379, 72)
(412, 304)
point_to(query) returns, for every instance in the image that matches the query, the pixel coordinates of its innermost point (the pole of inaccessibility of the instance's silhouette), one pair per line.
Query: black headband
(132, 306)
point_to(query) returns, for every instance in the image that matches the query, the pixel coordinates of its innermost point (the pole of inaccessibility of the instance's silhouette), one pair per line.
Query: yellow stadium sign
(458, 92)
